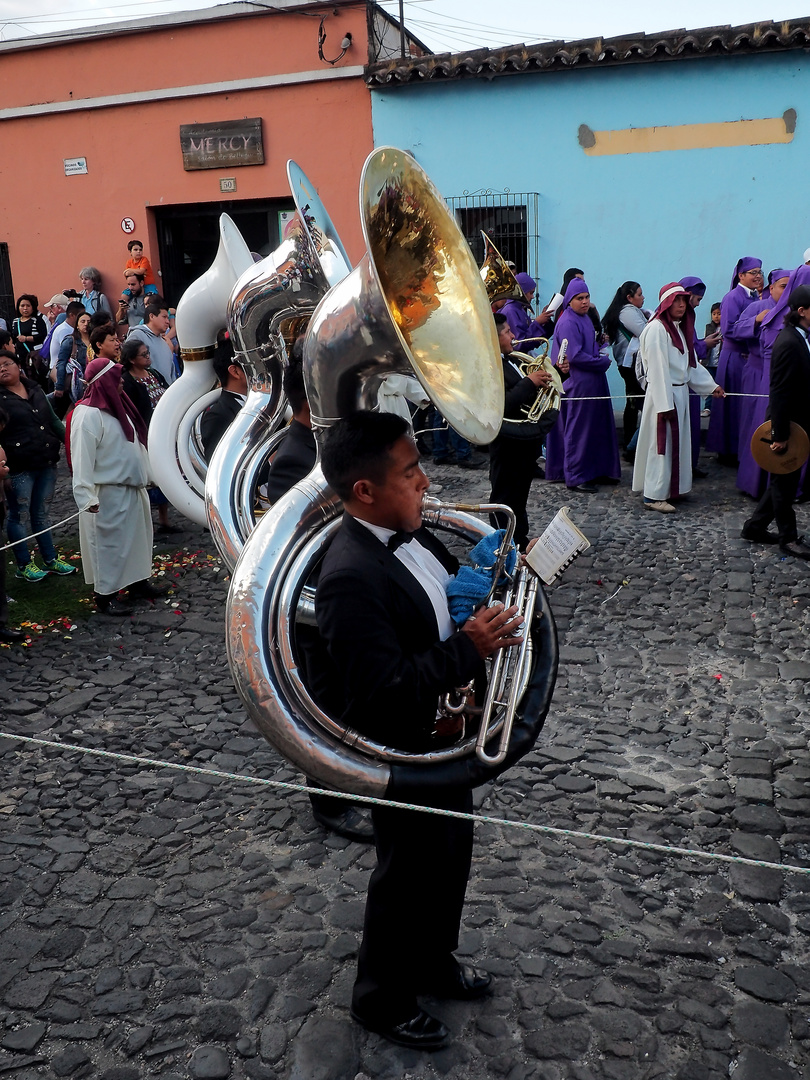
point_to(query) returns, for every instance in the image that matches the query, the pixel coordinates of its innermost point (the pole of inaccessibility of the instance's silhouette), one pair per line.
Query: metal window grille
(509, 218)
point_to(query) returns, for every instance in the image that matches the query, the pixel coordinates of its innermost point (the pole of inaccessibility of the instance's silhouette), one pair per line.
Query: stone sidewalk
(160, 923)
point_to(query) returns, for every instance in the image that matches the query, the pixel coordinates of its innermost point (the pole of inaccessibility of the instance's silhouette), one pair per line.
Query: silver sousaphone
(175, 459)
(414, 305)
(269, 307)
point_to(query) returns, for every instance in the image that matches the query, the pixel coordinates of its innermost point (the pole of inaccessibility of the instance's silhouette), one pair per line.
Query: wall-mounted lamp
(345, 44)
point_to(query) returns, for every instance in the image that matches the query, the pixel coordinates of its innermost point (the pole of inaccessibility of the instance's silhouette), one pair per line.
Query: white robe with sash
(665, 418)
(116, 543)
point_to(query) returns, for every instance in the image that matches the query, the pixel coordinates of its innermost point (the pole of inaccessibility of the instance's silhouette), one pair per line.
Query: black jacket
(216, 420)
(381, 633)
(790, 383)
(31, 437)
(293, 460)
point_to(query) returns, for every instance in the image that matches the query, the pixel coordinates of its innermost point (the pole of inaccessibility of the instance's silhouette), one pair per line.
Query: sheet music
(558, 546)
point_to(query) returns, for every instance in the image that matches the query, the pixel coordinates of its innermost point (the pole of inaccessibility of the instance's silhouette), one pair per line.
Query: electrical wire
(461, 25)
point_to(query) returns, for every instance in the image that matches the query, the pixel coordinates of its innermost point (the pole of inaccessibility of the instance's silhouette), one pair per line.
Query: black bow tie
(399, 537)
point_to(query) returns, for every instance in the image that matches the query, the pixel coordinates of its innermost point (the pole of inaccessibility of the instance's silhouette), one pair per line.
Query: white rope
(629, 397)
(664, 849)
(24, 539)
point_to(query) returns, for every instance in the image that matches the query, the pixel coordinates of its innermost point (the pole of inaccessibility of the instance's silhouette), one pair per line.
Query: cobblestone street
(161, 923)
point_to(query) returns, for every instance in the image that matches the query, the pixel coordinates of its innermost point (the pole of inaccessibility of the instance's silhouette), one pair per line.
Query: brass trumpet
(541, 415)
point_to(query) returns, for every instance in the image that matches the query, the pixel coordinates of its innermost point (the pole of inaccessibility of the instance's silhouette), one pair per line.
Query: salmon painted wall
(54, 224)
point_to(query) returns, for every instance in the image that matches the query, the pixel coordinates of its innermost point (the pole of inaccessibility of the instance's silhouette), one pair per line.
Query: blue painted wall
(649, 217)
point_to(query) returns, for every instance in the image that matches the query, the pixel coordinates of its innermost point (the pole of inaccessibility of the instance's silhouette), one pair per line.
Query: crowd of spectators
(45, 353)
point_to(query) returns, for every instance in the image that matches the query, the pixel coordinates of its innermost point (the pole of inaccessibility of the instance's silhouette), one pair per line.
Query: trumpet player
(512, 462)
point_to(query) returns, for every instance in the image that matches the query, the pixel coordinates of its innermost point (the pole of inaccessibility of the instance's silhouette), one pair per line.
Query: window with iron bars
(510, 219)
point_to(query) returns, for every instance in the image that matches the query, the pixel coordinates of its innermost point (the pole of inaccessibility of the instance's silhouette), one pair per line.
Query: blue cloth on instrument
(470, 587)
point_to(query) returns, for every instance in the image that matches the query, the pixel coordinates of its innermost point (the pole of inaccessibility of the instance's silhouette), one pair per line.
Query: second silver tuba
(269, 307)
(415, 304)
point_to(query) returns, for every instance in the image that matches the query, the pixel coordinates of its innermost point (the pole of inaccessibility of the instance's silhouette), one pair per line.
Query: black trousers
(777, 505)
(512, 465)
(414, 904)
(632, 409)
(3, 564)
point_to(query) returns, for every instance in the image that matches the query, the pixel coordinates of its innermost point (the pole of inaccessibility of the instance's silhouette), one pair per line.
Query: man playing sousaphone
(382, 610)
(789, 402)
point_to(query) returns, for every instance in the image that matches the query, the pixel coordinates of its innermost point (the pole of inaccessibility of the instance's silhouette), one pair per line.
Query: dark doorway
(6, 289)
(188, 236)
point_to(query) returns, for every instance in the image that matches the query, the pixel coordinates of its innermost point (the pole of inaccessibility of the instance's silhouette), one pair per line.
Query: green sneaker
(59, 566)
(31, 572)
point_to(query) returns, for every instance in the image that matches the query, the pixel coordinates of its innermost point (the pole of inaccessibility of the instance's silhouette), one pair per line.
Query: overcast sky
(448, 25)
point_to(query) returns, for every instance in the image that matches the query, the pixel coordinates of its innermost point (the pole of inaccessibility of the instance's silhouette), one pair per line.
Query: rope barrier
(663, 849)
(630, 397)
(25, 539)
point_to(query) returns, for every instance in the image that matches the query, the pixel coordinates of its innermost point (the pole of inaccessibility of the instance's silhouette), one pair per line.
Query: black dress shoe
(699, 474)
(464, 983)
(797, 548)
(474, 461)
(10, 636)
(351, 823)
(145, 590)
(421, 1032)
(586, 489)
(539, 473)
(168, 530)
(113, 607)
(759, 536)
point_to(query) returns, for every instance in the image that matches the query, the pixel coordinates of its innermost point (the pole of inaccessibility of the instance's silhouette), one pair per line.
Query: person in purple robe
(697, 290)
(519, 316)
(591, 446)
(724, 426)
(756, 379)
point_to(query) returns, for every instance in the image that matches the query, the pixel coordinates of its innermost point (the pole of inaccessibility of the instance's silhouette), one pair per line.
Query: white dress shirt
(428, 571)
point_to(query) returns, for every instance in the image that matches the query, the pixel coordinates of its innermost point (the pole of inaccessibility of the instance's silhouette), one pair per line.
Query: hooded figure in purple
(756, 375)
(591, 447)
(724, 427)
(519, 316)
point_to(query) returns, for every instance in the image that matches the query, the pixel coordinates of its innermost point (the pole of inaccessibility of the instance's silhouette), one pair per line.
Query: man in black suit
(218, 417)
(789, 401)
(382, 610)
(513, 462)
(297, 453)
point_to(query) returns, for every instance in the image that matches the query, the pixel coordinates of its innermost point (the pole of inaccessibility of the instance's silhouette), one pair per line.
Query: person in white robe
(110, 477)
(663, 465)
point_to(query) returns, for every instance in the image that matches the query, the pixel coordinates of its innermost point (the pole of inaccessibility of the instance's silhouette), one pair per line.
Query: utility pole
(402, 28)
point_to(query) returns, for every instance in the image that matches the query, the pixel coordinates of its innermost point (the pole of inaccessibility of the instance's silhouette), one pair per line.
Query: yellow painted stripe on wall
(653, 140)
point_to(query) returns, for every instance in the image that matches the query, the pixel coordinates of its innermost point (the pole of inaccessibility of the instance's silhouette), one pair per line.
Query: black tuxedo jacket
(293, 460)
(790, 383)
(216, 420)
(382, 636)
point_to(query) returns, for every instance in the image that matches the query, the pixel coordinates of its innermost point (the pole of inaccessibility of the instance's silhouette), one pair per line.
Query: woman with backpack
(623, 323)
(70, 366)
